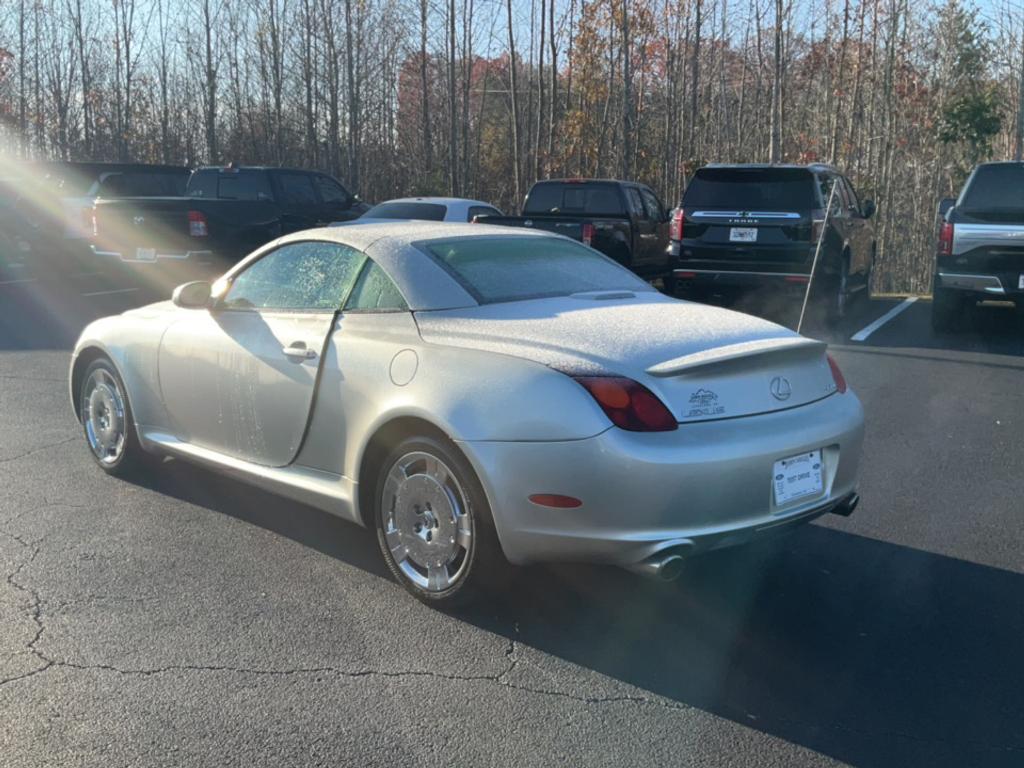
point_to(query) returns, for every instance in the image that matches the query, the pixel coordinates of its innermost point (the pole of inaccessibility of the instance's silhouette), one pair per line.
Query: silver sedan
(477, 397)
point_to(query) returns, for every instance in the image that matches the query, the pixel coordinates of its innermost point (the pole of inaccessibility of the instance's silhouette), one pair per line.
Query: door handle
(299, 350)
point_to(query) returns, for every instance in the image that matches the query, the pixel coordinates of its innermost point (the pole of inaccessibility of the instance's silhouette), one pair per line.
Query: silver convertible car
(478, 396)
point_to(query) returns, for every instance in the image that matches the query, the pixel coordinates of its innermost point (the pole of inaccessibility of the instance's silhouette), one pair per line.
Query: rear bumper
(196, 256)
(704, 486)
(734, 279)
(988, 284)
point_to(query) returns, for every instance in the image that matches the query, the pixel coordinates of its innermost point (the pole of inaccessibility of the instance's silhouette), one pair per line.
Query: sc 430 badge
(704, 402)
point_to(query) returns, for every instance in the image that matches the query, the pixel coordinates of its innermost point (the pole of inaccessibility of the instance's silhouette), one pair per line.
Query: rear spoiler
(744, 349)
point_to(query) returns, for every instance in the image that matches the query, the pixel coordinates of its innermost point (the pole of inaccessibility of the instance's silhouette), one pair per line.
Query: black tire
(838, 295)
(669, 285)
(131, 459)
(478, 567)
(947, 307)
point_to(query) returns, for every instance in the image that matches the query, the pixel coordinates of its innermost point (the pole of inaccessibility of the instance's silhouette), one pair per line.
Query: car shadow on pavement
(869, 652)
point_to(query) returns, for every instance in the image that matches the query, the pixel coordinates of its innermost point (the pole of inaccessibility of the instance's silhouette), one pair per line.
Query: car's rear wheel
(434, 525)
(839, 296)
(108, 422)
(947, 307)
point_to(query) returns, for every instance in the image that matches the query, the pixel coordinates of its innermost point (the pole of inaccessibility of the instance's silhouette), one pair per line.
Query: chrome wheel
(103, 414)
(426, 523)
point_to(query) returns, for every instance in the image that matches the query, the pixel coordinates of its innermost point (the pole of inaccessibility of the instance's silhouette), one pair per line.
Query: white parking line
(867, 330)
(107, 293)
(19, 281)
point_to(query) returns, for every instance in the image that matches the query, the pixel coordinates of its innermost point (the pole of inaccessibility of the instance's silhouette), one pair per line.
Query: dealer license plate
(145, 254)
(798, 477)
(743, 235)
(1020, 282)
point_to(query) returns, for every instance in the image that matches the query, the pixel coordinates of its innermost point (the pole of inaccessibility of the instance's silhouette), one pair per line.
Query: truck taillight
(946, 239)
(675, 228)
(588, 233)
(197, 224)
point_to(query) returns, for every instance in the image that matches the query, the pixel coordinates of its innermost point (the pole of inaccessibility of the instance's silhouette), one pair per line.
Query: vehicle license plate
(743, 235)
(797, 476)
(145, 254)
(1020, 282)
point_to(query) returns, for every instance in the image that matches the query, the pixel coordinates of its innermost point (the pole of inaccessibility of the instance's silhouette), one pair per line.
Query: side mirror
(944, 206)
(869, 209)
(194, 295)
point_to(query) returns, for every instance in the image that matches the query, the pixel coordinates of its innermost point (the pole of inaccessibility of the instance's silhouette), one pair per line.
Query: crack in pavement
(40, 449)
(501, 679)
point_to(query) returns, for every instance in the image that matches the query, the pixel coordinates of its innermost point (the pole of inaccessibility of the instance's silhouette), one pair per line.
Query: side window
(375, 291)
(202, 184)
(482, 210)
(243, 185)
(852, 203)
(298, 276)
(297, 188)
(654, 210)
(636, 205)
(825, 184)
(330, 190)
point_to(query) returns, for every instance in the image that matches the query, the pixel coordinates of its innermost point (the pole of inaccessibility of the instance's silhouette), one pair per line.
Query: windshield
(495, 269)
(421, 211)
(575, 199)
(995, 189)
(751, 189)
(144, 184)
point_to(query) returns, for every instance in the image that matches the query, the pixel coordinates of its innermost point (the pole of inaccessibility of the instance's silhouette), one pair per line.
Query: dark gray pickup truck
(980, 252)
(621, 219)
(225, 214)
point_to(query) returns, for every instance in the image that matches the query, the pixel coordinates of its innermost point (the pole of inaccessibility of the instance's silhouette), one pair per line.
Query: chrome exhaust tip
(666, 566)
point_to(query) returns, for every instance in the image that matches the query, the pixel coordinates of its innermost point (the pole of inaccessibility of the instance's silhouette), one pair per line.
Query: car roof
(436, 201)
(768, 166)
(424, 283)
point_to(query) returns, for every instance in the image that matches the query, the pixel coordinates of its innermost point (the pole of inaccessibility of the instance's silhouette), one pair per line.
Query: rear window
(497, 269)
(420, 211)
(579, 199)
(995, 189)
(143, 185)
(230, 185)
(753, 189)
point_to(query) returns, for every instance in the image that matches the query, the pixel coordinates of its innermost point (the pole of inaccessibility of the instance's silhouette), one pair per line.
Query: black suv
(981, 243)
(747, 226)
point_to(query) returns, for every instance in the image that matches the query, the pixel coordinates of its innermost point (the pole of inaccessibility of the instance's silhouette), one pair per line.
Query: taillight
(837, 375)
(93, 226)
(946, 239)
(628, 404)
(197, 224)
(588, 233)
(675, 228)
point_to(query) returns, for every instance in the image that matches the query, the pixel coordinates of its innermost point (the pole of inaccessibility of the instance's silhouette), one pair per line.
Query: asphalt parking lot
(192, 621)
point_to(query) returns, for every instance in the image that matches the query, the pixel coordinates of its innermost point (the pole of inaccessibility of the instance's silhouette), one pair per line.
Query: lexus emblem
(139, 221)
(780, 388)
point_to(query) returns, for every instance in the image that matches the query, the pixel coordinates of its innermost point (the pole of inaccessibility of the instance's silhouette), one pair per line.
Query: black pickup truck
(225, 214)
(980, 254)
(621, 219)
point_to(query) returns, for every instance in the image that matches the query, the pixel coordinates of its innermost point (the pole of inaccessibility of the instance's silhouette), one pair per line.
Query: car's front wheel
(107, 420)
(434, 525)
